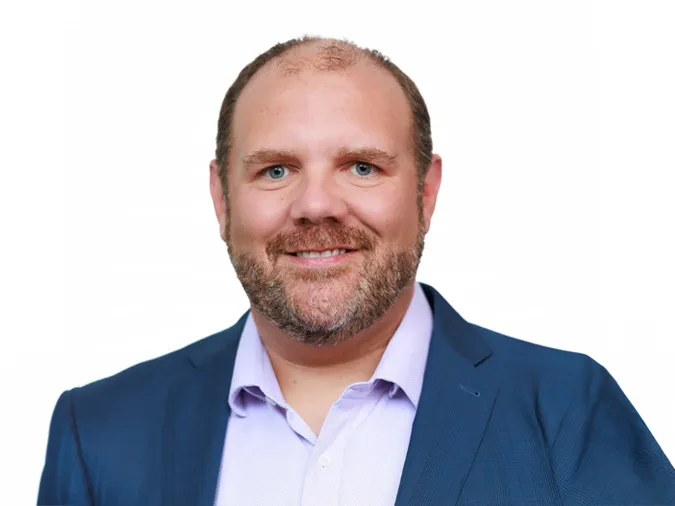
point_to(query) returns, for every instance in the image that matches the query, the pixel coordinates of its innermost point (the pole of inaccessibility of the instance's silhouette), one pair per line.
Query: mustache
(320, 237)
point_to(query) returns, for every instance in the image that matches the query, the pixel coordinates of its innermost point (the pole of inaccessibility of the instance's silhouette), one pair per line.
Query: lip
(331, 248)
(321, 261)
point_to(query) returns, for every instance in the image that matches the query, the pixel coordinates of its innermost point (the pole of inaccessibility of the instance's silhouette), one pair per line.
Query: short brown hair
(335, 55)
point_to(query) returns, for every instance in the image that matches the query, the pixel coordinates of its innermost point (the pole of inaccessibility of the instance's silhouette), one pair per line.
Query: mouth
(320, 257)
(322, 253)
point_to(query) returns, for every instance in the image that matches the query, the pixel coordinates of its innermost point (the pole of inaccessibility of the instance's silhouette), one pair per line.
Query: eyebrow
(265, 156)
(374, 155)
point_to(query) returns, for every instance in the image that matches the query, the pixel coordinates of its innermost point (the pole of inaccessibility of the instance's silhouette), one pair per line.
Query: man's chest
(272, 456)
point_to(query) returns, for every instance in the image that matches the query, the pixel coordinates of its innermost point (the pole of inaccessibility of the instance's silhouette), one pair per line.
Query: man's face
(323, 163)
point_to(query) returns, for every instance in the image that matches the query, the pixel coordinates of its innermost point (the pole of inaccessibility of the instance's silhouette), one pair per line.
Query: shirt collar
(404, 361)
(402, 364)
(253, 371)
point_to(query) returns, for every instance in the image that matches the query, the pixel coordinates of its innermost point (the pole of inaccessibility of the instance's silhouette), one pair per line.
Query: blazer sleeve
(604, 453)
(64, 479)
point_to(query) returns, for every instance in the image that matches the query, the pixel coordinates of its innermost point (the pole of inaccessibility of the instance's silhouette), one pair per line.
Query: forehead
(289, 104)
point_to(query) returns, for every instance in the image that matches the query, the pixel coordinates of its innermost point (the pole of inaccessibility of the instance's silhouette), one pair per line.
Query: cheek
(391, 214)
(256, 217)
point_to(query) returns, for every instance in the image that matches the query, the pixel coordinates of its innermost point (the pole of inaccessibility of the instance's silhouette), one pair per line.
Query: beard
(327, 306)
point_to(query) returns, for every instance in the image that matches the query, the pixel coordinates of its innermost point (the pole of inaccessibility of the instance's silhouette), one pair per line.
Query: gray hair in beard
(386, 276)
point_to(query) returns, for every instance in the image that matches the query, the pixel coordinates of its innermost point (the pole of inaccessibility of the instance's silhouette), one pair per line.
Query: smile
(322, 258)
(322, 254)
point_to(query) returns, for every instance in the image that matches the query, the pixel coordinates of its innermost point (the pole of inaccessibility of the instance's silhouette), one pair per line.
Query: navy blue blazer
(500, 422)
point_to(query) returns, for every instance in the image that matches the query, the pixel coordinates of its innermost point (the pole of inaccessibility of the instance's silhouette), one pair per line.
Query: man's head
(324, 146)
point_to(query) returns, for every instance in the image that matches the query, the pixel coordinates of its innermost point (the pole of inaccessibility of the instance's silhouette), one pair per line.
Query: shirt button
(324, 461)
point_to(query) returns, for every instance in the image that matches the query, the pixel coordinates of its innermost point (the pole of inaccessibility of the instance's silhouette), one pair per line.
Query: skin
(319, 127)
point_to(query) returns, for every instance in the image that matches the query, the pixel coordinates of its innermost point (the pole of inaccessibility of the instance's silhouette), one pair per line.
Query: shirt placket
(325, 465)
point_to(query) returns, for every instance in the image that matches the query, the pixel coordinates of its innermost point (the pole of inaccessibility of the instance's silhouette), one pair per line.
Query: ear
(432, 184)
(217, 195)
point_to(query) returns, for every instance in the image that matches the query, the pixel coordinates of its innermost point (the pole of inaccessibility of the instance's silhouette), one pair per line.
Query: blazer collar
(455, 405)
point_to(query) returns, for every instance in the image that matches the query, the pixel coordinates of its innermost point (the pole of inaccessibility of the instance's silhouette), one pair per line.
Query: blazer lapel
(195, 423)
(455, 405)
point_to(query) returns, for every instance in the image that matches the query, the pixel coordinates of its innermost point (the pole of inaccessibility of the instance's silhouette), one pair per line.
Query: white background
(556, 122)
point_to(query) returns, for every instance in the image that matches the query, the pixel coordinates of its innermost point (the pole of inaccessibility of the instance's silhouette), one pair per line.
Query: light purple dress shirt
(272, 457)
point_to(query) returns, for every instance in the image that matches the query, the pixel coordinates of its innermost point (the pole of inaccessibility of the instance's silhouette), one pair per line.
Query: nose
(319, 198)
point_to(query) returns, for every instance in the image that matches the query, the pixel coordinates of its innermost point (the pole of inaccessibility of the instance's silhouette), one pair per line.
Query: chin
(321, 290)
(322, 294)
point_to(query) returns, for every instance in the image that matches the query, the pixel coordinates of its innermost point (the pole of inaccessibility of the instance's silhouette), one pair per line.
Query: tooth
(322, 254)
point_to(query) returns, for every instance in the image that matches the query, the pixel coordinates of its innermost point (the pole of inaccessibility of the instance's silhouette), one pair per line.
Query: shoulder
(510, 358)
(554, 371)
(146, 383)
(544, 381)
(534, 360)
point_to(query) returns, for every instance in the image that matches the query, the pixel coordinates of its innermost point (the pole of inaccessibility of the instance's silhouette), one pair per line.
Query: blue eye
(275, 172)
(363, 169)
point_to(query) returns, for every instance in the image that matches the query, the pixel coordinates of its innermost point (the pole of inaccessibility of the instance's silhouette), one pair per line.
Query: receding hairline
(313, 55)
(319, 54)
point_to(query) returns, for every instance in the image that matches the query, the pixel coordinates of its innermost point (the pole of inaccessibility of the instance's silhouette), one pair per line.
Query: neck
(355, 359)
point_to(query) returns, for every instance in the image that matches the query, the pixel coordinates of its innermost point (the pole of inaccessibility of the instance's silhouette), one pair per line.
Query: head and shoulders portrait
(349, 378)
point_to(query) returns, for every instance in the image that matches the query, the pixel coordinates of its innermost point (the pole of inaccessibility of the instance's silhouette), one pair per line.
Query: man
(347, 382)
